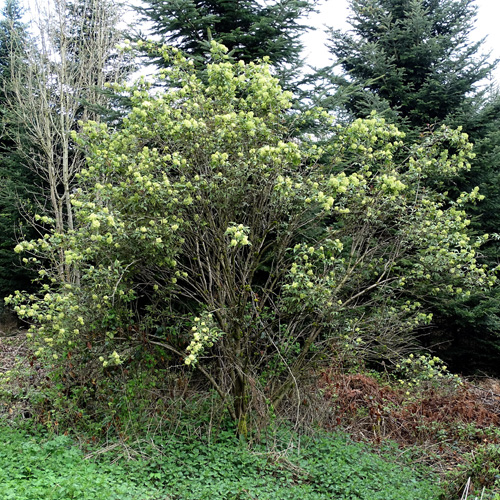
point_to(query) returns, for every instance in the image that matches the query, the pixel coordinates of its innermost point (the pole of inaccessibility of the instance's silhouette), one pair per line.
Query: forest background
(238, 223)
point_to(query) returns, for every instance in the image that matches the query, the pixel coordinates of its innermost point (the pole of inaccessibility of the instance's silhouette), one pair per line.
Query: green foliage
(14, 194)
(474, 325)
(251, 30)
(16, 179)
(410, 59)
(414, 63)
(55, 469)
(481, 119)
(482, 468)
(467, 332)
(13, 34)
(424, 368)
(187, 468)
(210, 229)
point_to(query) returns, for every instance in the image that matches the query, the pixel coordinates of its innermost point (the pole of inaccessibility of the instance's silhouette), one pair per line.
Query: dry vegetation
(454, 427)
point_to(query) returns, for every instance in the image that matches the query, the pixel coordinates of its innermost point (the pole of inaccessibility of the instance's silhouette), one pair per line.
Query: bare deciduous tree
(70, 57)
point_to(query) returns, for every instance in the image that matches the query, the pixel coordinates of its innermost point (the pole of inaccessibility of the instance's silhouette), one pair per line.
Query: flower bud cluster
(51, 316)
(114, 359)
(372, 139)
(44, 219)
(6, 376)
(313, 274)
(432, 156)
(205, 333)
(238, 235)
(353, 339)
(447, 249)
(391, 184)
(414, 370)
(25, 246)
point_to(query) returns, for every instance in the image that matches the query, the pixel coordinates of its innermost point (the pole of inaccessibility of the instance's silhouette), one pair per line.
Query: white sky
(333, 13)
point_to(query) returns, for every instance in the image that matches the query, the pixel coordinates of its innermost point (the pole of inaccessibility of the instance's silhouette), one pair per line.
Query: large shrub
(202, 228)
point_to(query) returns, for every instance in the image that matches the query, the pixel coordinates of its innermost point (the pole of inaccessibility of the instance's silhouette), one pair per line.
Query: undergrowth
(452, 426)
(152, 433)
(185, 467)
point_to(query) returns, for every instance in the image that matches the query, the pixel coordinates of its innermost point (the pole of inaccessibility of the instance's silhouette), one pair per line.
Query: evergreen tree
(481, 120)
(12, 36)
(411, 59)
(16, 179)
(248, 28)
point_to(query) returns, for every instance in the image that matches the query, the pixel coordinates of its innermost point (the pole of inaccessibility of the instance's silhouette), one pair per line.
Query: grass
(185, 468)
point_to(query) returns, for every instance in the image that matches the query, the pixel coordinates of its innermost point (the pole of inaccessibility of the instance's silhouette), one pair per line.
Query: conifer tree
(249, 29)
(16, 179)
(413, 61)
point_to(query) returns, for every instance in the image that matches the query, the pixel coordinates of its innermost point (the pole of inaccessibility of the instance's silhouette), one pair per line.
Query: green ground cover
(187, 468)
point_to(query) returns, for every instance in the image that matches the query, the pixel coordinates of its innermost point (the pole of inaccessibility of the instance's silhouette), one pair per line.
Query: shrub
(204, 230)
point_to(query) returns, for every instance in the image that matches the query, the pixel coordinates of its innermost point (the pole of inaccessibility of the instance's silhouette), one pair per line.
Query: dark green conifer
(413, 61)
(15, 178)
(249, 29)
